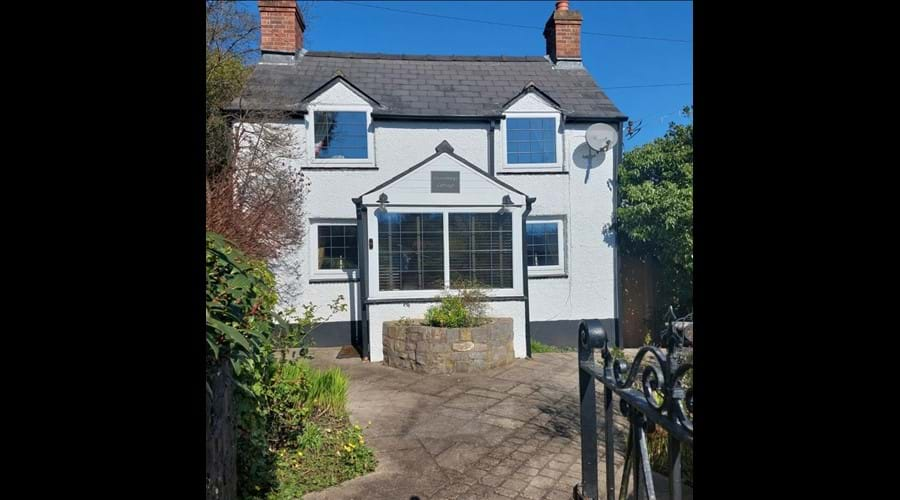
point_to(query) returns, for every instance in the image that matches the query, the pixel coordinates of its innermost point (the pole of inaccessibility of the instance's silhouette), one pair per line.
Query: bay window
(435, 250)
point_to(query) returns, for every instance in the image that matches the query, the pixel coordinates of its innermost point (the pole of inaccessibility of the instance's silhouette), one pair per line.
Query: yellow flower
(357, 427)
(300, 453)
(362, 441)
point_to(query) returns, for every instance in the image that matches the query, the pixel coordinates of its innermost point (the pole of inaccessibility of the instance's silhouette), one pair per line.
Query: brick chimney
(280, 27)
(563, 34)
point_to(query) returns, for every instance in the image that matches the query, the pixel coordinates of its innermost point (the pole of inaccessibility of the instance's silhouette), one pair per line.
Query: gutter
(528, 202)
(472, 118)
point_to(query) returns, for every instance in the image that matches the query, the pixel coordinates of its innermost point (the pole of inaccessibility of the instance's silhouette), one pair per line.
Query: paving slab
(509, 432)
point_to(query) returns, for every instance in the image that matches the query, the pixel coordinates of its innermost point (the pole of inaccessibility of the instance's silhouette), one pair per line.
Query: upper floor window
(530, 140)
(341, 135)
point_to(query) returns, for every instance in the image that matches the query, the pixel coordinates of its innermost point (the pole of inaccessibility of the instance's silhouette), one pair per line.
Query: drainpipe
(528, 202)
(362, 238)
(491, 127)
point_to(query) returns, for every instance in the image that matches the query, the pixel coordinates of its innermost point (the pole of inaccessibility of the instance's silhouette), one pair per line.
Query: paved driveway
(510, 432)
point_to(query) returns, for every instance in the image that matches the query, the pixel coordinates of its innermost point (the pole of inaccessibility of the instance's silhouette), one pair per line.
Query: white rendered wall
(587, 201)
(379, 313)
(589, 290)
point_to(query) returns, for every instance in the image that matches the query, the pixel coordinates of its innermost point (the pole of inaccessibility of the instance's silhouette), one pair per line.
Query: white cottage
(425, 170)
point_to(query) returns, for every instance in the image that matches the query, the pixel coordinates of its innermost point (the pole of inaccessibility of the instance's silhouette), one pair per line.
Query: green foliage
(617, 352)
(538, 347)
(337, 454)
(467, 308)
(327, 391)
(296, 328)
(240, 297)
(312, 443)
(658, 449)
(655, 212)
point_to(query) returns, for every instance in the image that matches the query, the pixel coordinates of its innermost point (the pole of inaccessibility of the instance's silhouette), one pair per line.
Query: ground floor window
(481, 250)
(434, 250)
(337, 247)
(410, 251)
(544, 246)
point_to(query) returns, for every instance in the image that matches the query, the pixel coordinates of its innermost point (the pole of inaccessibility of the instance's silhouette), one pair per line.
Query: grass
(541, 347)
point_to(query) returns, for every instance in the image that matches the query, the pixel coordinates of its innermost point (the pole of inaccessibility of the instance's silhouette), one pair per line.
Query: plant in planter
(467, 308)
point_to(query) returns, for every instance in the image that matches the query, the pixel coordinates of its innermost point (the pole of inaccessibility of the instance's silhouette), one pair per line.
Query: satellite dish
(601, 137)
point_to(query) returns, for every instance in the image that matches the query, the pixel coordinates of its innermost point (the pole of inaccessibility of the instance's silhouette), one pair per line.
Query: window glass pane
(340, 134)
(542, 244)
(411, 251)
(531, 140)
(481, 249)
(337, 247)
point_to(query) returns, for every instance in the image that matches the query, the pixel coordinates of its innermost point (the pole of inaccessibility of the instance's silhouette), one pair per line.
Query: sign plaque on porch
(444, 182)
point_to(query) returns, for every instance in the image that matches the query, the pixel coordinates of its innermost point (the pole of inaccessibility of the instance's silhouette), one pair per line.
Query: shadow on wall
(587, 159)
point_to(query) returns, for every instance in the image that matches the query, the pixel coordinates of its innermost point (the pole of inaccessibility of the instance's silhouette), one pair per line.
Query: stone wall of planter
(428, 349)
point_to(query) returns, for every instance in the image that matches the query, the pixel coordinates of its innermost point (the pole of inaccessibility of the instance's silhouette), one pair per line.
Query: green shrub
(314, 444)
(327, 391)
(467, 308)
(240, 298)
(280, 407)
(294, 330)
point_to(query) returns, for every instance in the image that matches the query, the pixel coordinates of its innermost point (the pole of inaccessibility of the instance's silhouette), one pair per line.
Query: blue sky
(613, 61)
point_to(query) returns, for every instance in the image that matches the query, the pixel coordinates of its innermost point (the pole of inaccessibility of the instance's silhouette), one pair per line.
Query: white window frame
(369, 161)
(557, 270)
(375, 291)
(530, 167)
(327, 274)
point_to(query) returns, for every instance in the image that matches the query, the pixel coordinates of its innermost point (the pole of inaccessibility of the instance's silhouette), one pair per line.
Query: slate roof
(424, 85)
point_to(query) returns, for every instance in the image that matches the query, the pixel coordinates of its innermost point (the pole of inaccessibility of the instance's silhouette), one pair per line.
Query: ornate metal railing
(662, 400)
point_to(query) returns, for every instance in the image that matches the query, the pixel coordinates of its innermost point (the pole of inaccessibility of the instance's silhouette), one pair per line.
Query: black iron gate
(662, 400)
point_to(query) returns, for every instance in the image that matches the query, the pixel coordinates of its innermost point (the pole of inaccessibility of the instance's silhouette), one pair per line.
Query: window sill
(548, 276)
(313, 281)
(421, 300)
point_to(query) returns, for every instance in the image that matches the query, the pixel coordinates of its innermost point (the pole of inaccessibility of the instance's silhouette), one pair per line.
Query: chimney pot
(562, 5)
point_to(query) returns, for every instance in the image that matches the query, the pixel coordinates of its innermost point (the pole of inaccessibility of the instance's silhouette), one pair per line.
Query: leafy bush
(314, 444)
(294, 330)
(240, 298)
(465, 309)
(655, 216)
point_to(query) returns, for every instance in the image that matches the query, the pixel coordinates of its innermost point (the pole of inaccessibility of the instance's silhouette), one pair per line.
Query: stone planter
(431, 349)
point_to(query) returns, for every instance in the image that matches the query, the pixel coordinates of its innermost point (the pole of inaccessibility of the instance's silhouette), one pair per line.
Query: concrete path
(510, 432)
